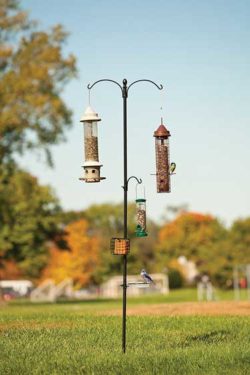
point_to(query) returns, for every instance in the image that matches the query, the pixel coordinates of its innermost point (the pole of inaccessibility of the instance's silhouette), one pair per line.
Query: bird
(172, 168)
(146, 277)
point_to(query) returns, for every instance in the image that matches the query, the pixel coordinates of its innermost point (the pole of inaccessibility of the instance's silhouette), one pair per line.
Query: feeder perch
(91, 165)
(119, 246)
(138, 284)
(162, 159)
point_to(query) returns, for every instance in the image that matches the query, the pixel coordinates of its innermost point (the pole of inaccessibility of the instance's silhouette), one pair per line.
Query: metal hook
(139, 181)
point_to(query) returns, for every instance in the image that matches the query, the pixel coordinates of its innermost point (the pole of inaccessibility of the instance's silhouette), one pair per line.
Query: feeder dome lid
(90, 115)
(162, 131)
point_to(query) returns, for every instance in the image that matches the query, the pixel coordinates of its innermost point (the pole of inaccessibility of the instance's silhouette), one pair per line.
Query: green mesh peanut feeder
(141, 226)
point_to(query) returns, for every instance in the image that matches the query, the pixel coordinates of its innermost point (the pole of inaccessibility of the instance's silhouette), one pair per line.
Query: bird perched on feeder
(172, 168)
(146, 277)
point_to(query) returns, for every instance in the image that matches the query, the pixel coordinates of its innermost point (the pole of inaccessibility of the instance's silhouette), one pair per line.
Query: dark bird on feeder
(172, 168)
(146, 277)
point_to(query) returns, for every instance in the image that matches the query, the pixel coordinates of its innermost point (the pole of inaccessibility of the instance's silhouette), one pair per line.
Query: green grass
(176, 295)
(67, 338)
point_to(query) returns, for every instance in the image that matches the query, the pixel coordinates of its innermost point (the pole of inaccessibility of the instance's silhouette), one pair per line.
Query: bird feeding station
(162, 159)
(140, 216)
(91, 165)
(119, 246)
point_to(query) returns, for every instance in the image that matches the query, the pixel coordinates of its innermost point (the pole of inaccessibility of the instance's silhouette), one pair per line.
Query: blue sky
(200, 52)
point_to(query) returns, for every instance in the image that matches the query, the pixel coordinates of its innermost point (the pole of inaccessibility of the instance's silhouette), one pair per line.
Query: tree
(9, 270)
(199, 237)
(28, 220)
(79, 261)
(106, 221)
(239, 242)
(143, 251)
(33, 72)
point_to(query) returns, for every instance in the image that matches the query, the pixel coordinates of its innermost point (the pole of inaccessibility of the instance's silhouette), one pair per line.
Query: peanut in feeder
(119, 246)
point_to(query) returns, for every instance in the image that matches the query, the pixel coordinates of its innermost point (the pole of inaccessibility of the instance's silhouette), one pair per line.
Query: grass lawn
(70, 338)
(176, 295)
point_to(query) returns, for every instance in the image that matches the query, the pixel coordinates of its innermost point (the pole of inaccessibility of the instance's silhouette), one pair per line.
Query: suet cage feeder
(91, 165)
(162, 159)
(119, 246)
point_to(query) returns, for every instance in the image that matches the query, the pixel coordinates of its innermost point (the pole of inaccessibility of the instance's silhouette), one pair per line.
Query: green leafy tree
(144, 251)
(28, 220)
(239, 242)
(33, 72)
(201, 238)
(106, 221)
(233, 251)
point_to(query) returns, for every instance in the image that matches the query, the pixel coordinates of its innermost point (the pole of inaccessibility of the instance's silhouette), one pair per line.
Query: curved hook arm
(146, 80)
(139, 181)
(103, 80)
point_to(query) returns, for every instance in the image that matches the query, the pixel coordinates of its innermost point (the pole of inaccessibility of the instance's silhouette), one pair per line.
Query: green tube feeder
(141, 218)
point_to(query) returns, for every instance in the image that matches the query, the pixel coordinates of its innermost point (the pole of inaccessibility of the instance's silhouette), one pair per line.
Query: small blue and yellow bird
(172, 168)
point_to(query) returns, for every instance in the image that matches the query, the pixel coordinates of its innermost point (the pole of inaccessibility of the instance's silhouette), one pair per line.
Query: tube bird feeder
(141, 217)
(141, 227)
(162, 159)
(91, 165)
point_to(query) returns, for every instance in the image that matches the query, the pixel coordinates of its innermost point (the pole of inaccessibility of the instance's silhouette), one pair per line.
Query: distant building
(189, 269)
(48, 291)
(16, 288)
(112, 288)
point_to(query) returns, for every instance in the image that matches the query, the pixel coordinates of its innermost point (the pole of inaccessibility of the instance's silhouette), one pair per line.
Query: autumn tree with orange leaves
(199, 238)
(79, 261)
(34, 70)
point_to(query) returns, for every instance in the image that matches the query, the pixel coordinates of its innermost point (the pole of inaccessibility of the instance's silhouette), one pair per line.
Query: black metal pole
(125, 213)
(125, 90)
